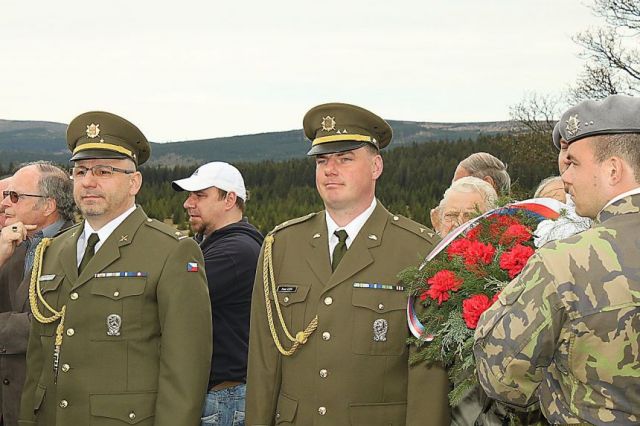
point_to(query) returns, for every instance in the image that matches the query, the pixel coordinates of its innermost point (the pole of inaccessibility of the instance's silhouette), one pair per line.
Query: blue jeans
(224, 407)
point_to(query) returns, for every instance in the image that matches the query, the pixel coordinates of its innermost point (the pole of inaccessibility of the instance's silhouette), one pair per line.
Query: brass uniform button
(74, 296)
(381, 306)
(116, 293)
(286, 299)
(324, 373)
(64, 403)
(322, 411)
(328, 300)
(132, 415)
(65, 367)
(70, 332)
(326, 335)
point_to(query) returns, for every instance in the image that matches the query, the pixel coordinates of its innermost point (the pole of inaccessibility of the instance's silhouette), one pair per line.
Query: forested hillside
(414, 178)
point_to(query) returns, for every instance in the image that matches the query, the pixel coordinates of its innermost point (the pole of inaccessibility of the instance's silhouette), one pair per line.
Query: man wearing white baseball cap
(231, 246)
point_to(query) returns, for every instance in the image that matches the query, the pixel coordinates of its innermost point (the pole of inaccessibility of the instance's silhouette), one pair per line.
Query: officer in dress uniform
(565, 332)
(328, 340)
(121, 329)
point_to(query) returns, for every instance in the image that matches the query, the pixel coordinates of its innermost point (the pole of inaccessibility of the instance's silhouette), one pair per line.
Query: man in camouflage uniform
(338, 354)
(566, 331)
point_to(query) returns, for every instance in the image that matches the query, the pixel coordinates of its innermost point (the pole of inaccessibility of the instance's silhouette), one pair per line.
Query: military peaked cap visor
(98, 134)
(612, 115)
(338, 127)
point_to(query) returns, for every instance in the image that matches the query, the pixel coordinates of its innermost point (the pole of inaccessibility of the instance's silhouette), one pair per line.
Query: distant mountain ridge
(22, 141)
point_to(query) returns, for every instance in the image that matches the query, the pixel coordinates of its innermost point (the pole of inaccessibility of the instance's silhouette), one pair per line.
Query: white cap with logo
(219, 174)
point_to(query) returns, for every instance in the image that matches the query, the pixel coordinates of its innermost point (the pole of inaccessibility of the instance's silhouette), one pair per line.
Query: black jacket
(230, 257)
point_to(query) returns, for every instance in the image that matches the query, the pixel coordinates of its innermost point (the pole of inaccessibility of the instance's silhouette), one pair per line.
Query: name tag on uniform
(119, 274)
(287, 288)
(377, 286)
(47, 277)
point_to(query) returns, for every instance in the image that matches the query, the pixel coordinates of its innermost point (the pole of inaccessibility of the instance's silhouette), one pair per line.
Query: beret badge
(573, 125)
(93, 130)
(328, 123)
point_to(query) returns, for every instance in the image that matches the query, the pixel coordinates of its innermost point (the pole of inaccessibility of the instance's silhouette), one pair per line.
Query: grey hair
(482, 164)
(469, 184)
(55, 183)
(544, 183)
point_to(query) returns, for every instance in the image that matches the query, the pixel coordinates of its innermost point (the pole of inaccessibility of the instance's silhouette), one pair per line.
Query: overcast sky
(200, 69)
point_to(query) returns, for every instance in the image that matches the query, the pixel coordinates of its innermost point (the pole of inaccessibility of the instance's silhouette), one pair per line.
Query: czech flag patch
(192, 267)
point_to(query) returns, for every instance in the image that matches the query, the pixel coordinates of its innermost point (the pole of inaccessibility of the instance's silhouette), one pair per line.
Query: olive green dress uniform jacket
(15, 317)
(155, 371)
(341, 376)
(566, 332)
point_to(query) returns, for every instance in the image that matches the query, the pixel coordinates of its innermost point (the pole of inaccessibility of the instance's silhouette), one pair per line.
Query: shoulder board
(164, 228)
(291, 222)
(413, 227)
(69, 228)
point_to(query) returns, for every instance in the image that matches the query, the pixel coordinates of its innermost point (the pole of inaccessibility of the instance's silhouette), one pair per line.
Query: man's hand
(10, 237)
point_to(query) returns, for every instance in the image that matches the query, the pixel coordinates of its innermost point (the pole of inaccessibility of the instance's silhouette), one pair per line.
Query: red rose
(514, 260)
(440, 285)
(473, 307)
(516, 233)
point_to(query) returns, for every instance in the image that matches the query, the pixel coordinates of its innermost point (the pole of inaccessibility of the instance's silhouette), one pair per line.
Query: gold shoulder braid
(34, 291)
(267, 276)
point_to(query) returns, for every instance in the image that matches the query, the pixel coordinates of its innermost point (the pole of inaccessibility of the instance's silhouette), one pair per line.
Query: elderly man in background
(39, 203)
(464, 199)
(565, 331)
(551, 187)
(3, 185)
(486, 167)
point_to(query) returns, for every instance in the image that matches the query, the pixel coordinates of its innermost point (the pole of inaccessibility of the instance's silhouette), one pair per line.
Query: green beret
(612, 115)
(337, 127)
(99, 134)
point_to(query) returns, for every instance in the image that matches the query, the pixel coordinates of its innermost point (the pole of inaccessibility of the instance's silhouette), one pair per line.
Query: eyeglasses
(15, 196)
(98, 171)
(457, 217)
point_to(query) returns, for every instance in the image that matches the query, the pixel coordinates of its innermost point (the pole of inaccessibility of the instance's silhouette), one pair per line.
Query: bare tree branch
(536, 113)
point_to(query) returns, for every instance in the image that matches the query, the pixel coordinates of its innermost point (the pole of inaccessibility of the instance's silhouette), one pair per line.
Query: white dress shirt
(103, 233)
(352, 228)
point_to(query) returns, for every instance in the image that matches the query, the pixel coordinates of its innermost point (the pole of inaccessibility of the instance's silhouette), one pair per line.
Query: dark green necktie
(340, 249)
(89, 251)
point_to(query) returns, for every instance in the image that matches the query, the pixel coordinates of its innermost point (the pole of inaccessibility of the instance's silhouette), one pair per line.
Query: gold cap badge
(93, 130)
(328, 123)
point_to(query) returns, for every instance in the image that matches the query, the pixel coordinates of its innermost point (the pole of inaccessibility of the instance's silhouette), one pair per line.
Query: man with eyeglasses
(121, 329)
(48, 209)
(3, 185)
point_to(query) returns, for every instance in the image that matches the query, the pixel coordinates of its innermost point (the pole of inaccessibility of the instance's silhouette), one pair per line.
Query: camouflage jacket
(566, 331)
